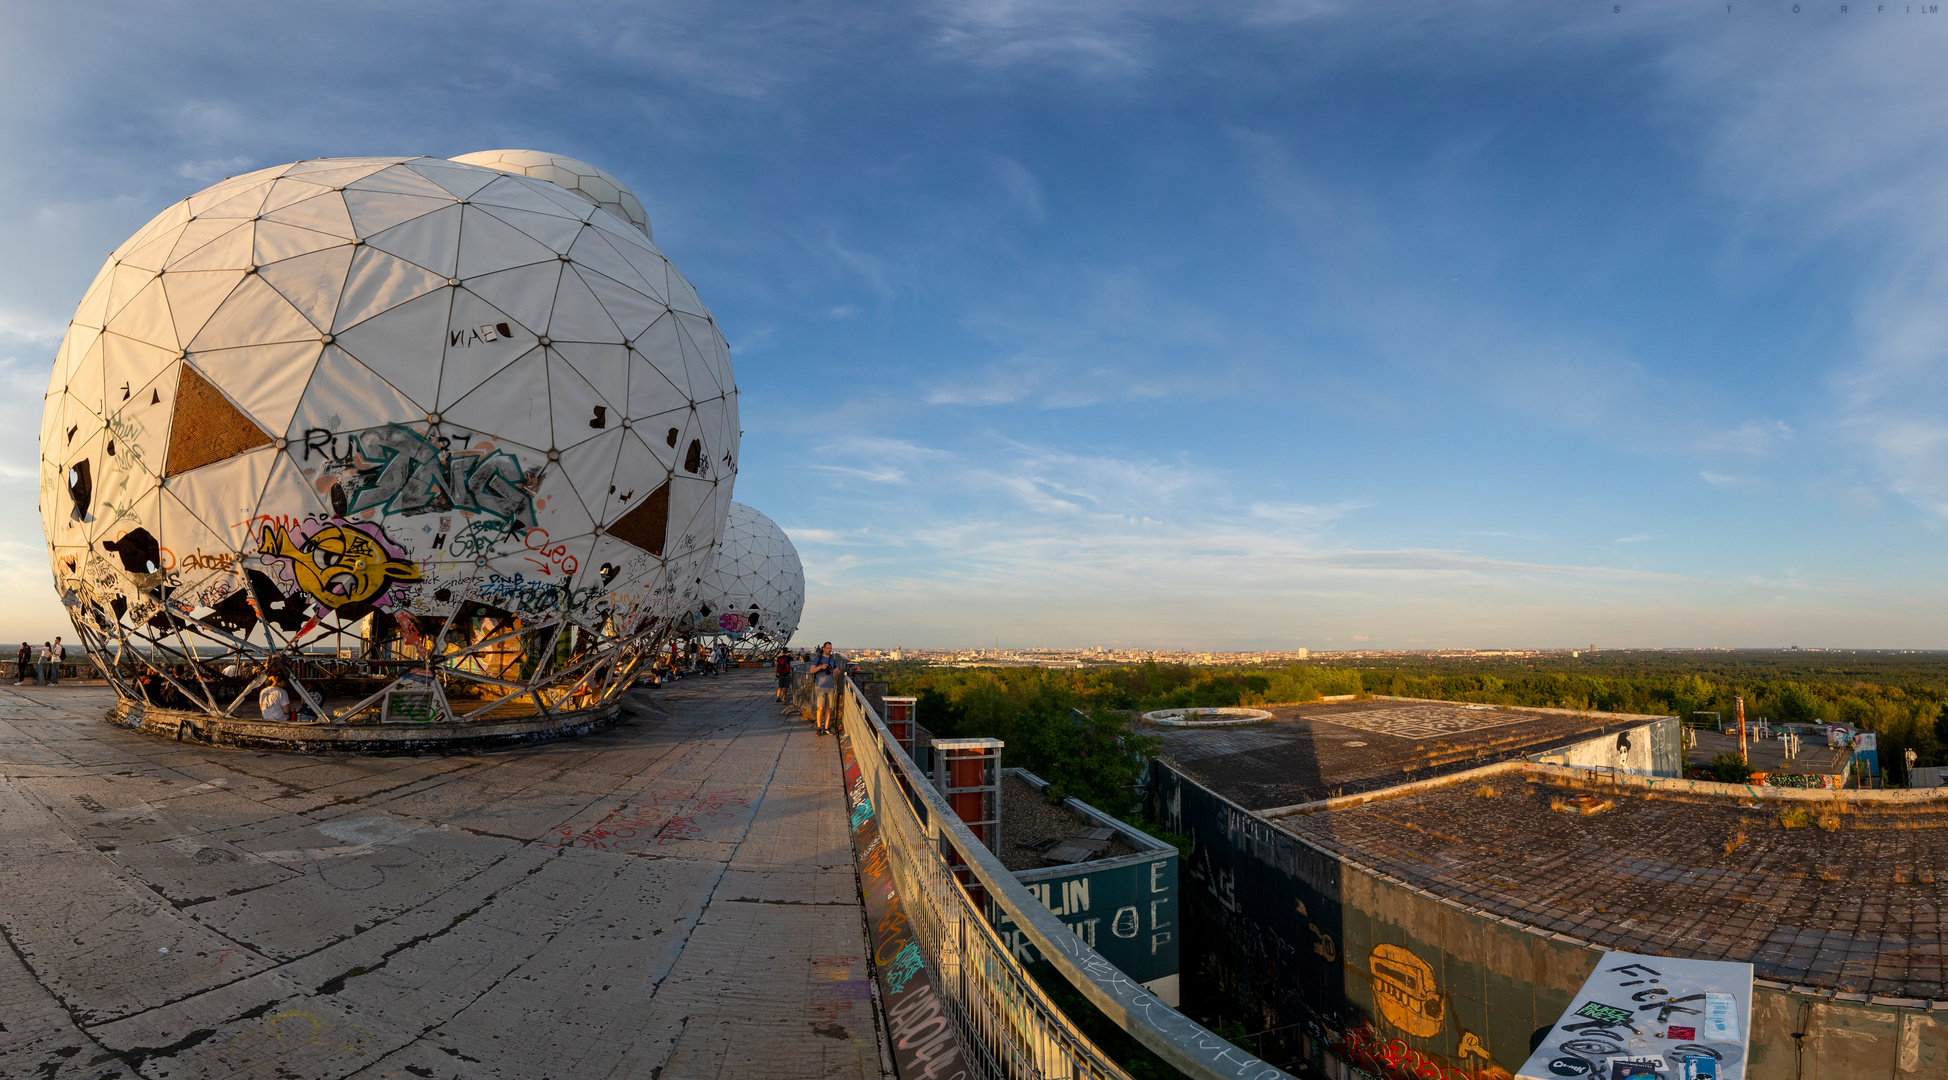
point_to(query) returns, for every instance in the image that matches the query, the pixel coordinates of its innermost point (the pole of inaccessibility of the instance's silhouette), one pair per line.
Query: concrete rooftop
(1310, 752)
(1849, 901)
(672, 897)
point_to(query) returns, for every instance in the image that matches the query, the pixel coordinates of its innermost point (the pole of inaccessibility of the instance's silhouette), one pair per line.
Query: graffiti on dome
(339, 563)
(397, 470)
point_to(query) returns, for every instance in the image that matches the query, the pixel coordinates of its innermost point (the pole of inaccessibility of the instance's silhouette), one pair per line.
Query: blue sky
(1222, 326)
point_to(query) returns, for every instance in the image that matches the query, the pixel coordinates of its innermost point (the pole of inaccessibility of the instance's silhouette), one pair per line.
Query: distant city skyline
(1248, 327)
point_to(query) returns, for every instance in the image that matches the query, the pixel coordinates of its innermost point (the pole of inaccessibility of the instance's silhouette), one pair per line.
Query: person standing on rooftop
(25, 657)
(825, 685)
(784, 674)
(60, 654)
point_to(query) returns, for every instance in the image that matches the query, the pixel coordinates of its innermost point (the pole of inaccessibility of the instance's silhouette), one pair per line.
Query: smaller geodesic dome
(756, 592)
(573, 174)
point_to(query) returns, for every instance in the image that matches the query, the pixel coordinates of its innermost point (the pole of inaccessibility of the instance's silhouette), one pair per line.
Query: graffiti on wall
(338, 563)
(397, 470)
(1283, 951)
(1403, 984)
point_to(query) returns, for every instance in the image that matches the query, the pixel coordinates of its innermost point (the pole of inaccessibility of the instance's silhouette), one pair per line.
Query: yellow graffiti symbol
(337, 565)
(295, 1028)
(1403, 985)
(1323, 945)
(1471, 1047)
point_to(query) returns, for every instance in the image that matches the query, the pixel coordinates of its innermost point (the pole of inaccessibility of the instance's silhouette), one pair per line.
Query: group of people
(48, 673)
(824, 668)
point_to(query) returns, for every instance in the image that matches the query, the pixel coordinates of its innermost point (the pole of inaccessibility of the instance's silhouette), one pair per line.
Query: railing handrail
(1172, 1036)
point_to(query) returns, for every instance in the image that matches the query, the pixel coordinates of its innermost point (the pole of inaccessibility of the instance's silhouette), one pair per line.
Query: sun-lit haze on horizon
(1245, 326)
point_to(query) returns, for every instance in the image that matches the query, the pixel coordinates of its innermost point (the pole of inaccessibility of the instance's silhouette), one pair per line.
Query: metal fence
(1009, 1026)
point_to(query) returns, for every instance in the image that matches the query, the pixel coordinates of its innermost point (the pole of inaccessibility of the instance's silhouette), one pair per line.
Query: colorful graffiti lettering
(337, 563)
(1394, 1059)
(409, 473)
(518, 594)
(555, 557)
(906, 964)
(730, 622)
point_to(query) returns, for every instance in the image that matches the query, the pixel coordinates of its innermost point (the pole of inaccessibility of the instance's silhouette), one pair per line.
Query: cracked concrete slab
(671, 897)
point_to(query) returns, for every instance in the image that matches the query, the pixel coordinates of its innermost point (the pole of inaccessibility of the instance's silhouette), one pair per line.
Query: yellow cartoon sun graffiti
(338, 565)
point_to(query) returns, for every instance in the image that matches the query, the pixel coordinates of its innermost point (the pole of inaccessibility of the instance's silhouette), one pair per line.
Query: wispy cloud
(1752, 437)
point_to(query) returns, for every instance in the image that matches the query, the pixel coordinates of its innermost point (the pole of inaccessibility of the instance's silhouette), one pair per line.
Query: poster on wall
(1651, 1018)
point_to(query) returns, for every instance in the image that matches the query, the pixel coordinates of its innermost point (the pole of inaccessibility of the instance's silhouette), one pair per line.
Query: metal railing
(1010, 1028)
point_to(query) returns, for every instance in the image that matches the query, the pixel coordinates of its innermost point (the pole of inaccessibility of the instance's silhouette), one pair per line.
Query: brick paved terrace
(673, 897)
(1846, 897)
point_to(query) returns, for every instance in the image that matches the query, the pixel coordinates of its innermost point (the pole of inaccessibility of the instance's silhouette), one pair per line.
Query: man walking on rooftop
(825, 686)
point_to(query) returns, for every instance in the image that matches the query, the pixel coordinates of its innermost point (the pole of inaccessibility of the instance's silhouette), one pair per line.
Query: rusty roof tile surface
(1310, 752)
(1844, 897)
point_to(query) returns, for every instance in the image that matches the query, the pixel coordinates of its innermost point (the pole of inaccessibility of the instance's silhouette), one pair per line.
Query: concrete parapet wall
(1662, 785)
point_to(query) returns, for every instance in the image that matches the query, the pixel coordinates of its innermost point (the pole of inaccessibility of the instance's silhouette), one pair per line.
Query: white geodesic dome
(572, 174)
(756, 592)
(401, 412)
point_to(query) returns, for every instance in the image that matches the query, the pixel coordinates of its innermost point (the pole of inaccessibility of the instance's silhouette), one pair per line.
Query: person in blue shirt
(825, 686)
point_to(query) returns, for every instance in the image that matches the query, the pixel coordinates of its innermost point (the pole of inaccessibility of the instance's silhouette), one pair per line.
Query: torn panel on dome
(639, 469)
(266, 381)
(206, 427)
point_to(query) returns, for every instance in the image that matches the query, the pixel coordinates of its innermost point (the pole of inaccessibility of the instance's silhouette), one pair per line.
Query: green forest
(1897, 695)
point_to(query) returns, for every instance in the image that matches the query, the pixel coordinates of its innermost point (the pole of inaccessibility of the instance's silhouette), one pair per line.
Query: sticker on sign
(1650, 1018)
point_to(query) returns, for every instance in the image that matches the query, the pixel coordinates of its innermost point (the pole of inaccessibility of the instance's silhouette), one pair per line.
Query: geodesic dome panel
(404, 412)
(571, 174)
(756, 591)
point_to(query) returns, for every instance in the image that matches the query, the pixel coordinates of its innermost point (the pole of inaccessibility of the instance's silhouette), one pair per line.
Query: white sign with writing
(1651, 1018)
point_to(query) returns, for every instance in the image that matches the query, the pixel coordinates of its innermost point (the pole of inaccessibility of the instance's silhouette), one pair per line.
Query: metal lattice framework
(753, 597)
(398, 428)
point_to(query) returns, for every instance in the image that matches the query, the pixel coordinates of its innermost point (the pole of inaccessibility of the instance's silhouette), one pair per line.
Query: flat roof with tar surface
(1849, 901)
(674, 896)
(1769, 755)
(1312, 752)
